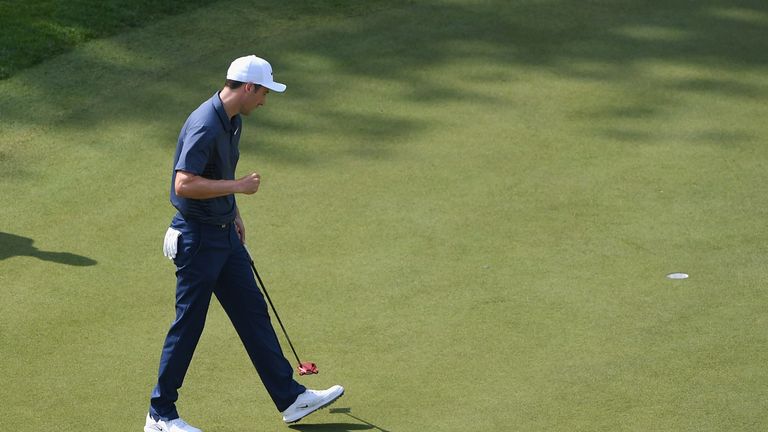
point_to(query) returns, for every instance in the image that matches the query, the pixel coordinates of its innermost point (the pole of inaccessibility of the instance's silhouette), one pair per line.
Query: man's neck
(231, 101)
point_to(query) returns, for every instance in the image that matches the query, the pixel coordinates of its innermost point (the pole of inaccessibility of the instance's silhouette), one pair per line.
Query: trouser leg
(197, 271)
(245, 305)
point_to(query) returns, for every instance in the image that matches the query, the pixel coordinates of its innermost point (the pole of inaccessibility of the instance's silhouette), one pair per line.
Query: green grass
(34, 31)
(467, 212)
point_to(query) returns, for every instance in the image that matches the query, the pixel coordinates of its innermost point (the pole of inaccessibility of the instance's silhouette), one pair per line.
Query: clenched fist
(249, 184)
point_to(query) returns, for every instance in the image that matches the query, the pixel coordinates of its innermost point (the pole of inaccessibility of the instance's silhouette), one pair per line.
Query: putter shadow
(331, 427)
(340, 427)
(12, 245)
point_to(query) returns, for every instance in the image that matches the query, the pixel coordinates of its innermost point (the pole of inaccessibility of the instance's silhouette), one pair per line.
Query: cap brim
(275, 86)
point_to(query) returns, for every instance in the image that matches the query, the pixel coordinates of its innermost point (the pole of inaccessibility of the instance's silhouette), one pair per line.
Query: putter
(305, 368)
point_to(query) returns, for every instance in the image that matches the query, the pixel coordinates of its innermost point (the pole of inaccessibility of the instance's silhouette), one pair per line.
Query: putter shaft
(274, 311)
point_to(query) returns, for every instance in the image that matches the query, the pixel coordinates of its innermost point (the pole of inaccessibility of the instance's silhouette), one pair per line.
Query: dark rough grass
(35, 30)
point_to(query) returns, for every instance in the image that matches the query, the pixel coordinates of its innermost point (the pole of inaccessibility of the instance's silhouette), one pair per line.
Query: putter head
(307, 368)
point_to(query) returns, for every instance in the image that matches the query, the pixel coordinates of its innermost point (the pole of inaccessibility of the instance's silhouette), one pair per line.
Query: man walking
(206, 242)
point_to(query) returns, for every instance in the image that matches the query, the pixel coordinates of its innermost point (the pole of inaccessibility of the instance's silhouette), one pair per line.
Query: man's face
(255, 96)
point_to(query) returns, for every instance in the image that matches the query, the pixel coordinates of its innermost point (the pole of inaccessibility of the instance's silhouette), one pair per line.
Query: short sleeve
(195, 150)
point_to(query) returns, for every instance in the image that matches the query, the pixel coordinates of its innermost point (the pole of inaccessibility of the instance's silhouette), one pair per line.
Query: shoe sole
(330, 402)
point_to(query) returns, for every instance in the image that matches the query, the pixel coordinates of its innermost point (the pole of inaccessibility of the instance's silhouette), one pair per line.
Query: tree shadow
(394, 45)
(42, 30)
(12, 245)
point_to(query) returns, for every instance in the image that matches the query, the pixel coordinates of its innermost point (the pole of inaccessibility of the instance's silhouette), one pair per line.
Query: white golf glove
(171, 243)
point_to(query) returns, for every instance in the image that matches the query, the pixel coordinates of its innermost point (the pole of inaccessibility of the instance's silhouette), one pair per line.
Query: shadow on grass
(33, 31)
(340, 427)
(12, 245)
(331, 427)
(397, 44)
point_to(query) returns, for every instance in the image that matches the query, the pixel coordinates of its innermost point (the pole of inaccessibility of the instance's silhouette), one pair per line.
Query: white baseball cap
(255, 70)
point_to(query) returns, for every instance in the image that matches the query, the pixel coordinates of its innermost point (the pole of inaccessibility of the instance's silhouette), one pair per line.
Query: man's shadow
(339, 427)
(12, 245)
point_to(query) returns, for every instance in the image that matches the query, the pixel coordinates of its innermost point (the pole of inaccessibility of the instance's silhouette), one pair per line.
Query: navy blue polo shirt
(208, 147)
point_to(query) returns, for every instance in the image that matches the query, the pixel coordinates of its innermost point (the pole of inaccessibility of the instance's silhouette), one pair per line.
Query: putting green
(467, 214)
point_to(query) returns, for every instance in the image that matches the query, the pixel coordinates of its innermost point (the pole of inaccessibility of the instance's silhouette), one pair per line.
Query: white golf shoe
(175, 425)
(311, 401)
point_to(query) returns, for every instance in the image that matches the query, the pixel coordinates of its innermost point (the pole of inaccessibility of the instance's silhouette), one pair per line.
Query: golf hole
(677, 276)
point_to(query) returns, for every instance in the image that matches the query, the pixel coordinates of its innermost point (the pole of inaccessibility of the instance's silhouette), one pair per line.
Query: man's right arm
(191, 186)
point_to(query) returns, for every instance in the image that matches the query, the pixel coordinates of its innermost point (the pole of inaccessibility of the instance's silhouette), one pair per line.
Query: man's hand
(250, 183)
(171, 243)
(240, 228)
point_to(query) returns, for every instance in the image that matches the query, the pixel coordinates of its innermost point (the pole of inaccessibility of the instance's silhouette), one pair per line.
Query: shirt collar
(219, 107)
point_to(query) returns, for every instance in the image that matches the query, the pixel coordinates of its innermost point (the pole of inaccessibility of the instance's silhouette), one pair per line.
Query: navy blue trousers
(212, 260)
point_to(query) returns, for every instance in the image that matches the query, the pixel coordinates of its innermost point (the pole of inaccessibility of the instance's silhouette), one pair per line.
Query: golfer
(205, 241)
